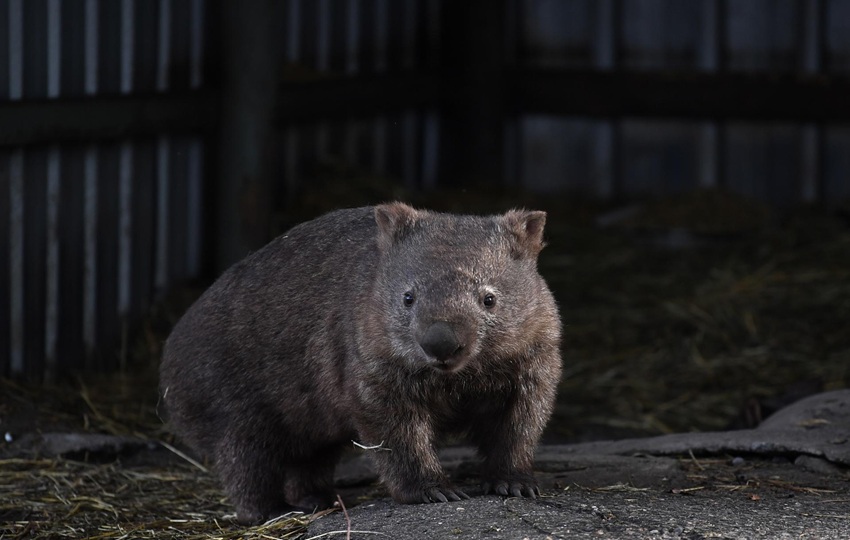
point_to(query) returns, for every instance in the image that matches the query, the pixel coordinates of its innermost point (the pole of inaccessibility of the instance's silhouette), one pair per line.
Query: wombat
(385, 325)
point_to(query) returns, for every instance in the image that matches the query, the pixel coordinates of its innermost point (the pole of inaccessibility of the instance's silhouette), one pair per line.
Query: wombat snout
(440, 341)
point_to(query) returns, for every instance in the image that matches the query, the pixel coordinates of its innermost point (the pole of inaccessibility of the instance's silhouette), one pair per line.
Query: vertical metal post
(193, 212)
(605, 131)
(16, 49)
(16, 260)
(251, 48)
(810, 143)
(382, 22)
(51, 312)
(352, 37)
(708, 55)
(90, 270)
(54, 47)
(163, 219)
(163, 58)
(196, 44)
(91, 46)
(127, 45)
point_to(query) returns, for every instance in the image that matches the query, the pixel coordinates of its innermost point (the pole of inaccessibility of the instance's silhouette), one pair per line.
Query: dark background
(693, 155)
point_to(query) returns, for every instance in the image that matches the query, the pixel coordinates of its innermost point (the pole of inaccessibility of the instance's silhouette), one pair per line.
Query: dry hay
(670, 340)
(61, 498)
(44, 498)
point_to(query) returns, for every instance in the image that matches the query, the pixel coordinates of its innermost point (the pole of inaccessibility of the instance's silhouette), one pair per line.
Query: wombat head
(453, 290)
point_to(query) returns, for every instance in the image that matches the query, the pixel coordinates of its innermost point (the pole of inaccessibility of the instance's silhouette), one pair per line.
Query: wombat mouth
(444, 366)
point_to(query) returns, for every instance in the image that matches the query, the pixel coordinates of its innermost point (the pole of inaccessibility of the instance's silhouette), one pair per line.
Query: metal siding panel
(308, 45)
(709, 36)
(178, 200)
(196, 43)
(338, 38)
(411, 125)
(837, 36)
(146, 50)
(17, 300)
(379, 145)
(180, 44)
(352, 36)
(126, 210)
(292, 26)
(660, 34)
(108, 216)
(836, 187)
(72, 258)
(35, 190)
(194, 212)
(128, 43)
(762, 35)
(35, 49)
(411, 32)
(143, 227)
(91, 160)
(395, 146)
(366, 44)
(556, 154)
(381, 39)
(163, 46)
(658, 158)
(5, 38)
(109, 47)
(556, 34)
(431, 33)
(5, 263)
(163, 193)
(322, 36)
(763, 162)
(54, 47)
(396, 40)
(16, 49)
(91, 47)
(72, 69)
(52, 266)
(430, 150)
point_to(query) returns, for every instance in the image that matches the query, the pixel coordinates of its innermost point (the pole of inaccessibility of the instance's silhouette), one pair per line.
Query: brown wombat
(383, 325)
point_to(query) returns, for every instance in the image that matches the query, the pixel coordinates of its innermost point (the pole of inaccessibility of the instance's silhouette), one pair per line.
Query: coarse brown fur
(320, 338)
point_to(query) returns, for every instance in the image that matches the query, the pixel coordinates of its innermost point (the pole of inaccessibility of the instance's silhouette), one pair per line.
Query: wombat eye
(409, 299)
(489, 300)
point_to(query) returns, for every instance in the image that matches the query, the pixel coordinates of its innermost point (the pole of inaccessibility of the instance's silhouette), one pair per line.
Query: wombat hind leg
(254, 482)
(309, 486)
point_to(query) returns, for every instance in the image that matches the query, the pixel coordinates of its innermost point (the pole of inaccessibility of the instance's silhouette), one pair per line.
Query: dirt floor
(693, 314)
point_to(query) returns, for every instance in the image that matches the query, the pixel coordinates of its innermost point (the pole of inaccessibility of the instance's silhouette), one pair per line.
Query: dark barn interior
(693, 157)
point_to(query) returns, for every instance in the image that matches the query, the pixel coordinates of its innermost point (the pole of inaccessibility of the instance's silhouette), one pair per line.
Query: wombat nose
(440, 341)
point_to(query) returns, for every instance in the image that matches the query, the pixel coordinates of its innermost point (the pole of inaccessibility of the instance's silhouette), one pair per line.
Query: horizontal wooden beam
(722, 96)
(103, 118)
(697, 96)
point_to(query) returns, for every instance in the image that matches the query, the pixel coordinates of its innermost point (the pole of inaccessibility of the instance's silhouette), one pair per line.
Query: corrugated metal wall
(94, 230)
(781, 163)
(361, 37)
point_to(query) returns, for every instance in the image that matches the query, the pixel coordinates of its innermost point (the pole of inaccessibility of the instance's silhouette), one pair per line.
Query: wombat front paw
(516, 486)
(431, 494)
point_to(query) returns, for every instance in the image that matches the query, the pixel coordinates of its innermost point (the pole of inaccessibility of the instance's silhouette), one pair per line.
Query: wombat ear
(526, 227)
(394, 221)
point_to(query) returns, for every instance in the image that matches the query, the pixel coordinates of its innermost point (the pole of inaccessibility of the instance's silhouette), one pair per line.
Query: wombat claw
(513, 488)
(443, 494)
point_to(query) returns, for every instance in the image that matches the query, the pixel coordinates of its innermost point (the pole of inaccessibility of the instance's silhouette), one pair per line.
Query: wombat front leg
(406, 460)
(507, 441)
